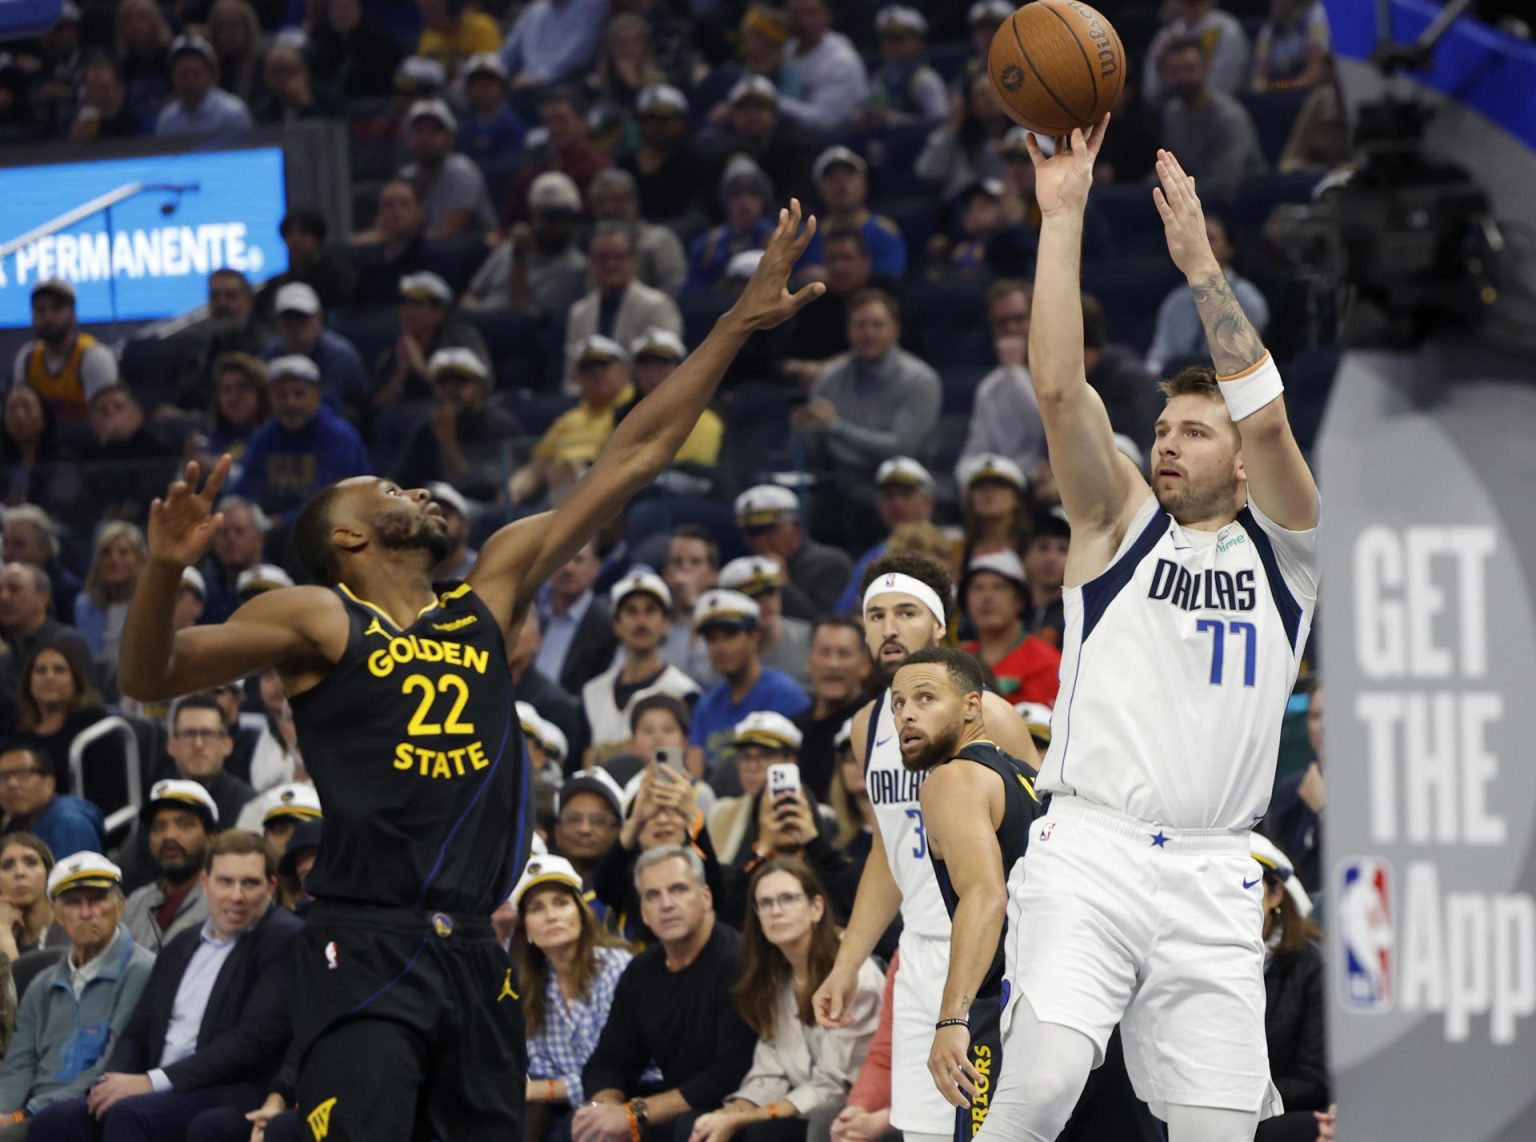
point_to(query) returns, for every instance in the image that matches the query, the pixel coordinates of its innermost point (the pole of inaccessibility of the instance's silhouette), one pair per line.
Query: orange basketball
(1056, 65)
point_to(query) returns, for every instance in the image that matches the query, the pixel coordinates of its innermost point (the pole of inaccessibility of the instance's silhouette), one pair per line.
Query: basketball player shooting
(1187, 606)
(405, 1014)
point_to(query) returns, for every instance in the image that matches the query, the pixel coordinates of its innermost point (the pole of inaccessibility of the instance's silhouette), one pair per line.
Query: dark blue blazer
(246, 1025)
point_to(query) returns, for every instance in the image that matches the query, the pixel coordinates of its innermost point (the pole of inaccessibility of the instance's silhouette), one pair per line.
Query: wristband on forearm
(1252, 389)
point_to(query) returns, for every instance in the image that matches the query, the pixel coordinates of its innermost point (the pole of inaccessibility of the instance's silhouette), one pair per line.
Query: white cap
(991, 187)
(900, 18)
(1270, 855)
(640, 582)
(763, 504)
(293, 365)
(194, 45)
(546, 869)
(425, 286)
(296, 297)
(459, 361)
(755, 87)
(83, 870)
(905, 471)
(434, 109)
(186, 794)
(554, 190)
(1005, 563)
(262, 577)
(752, 574)
(767, 728)
(744, 264)
(551, 738)
(1037, 717)
(990, 466)
(844, 735)
(599, 349)
(661, 99)
(658, 342)
(296, 799)
(192, 578)
(989, 12)
(730, 608)
(482, 63)
(70, 11)
(418, 71)
(55, 285)
(445, 493)
(837, 153)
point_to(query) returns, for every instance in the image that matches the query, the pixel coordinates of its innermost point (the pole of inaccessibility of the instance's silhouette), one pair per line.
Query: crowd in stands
(555, 200)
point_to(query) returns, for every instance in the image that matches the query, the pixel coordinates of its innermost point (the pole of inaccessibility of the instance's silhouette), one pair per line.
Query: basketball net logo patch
(319, 1119)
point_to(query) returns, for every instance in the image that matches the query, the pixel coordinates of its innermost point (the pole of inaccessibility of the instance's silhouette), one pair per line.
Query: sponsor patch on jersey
(456, 624)
(1366, 933)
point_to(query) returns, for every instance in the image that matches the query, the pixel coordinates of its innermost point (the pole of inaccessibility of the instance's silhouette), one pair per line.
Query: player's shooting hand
(1062, 181)
(1183, 219)
(182, 524)
(766, 301)
(834, 997)
(950, 1065)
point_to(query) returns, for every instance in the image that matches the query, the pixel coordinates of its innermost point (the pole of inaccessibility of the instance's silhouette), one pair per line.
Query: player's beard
(402, 532)
(1191, 502)
(937, 751)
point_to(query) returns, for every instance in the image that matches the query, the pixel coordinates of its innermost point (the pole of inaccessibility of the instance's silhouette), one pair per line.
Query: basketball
(1056, 65)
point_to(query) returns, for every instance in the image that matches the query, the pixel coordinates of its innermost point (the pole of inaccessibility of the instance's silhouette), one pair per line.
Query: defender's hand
(766, 300)
(182, 524)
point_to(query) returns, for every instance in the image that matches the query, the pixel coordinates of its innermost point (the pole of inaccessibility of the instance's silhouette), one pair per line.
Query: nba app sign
(172, 220)
(1429, 582)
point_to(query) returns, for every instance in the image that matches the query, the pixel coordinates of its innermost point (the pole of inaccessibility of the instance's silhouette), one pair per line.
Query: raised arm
(1099, 488)
(522, 555)
(1279, 481)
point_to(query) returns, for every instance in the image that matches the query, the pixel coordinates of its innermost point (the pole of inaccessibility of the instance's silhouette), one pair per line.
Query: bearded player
(405, 1017)
(906, 599)
(1187, 607)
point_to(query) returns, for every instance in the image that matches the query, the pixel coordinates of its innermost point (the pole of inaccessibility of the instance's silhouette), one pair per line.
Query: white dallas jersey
(893, 792)
(1177, 663)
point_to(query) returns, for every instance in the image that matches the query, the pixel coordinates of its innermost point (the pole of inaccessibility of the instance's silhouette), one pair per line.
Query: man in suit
(579, 642)
(213, 1022)
(619, 306)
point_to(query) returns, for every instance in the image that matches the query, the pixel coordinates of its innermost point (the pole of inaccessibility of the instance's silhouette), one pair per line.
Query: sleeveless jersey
(64, 390)
(1177, 663)
(893, 792)
(1020, 808)
(414, 745)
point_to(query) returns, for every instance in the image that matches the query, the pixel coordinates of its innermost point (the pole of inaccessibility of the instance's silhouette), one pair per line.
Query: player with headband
(905, 610)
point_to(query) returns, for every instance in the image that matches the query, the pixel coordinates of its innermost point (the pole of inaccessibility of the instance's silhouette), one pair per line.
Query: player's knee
(1049, 1091)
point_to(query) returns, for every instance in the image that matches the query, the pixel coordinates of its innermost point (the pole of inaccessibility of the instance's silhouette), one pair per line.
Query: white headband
(899, 584)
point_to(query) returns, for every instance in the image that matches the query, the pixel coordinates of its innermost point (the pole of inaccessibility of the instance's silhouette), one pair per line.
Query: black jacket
(245, 1027)
(1293, 1026)
(591, 650)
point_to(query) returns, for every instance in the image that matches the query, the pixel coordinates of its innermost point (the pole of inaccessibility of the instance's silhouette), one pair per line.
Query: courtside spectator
(31, 802)
(760, 740)
(141, 41)
(427, 324)
(842, 178)
(783, 642)
(453, 193)
(589, 812)
(490, 128)
(201, 107)
(127, 460)
(554, 41)
(770, 522)
(839, 667)
(291, 95)
(559, 705)
(567, 149)
(754, 128)
(866, 1114)
(66, 366)
(849, 799)
(903, 495)
(540, 268)
(240, 407)
(233, 326)
(662, 263)
(56, 700)
(1221, 39)
(27, 920)
(620, 306)
(455, 508)
(1210, 131)
(180, 820)
(234, 31)
(1295, 818)
(966, 148)
(1179, 335)
(994, 596)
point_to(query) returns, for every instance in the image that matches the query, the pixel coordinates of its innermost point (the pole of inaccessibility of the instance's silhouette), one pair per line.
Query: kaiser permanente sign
(140, 235)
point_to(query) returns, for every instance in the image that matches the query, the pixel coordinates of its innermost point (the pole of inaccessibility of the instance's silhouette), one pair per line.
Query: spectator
(350, 54)
(78, 1008)
(26, 625)
(64, 365)
(656, 354)
(1045, 565)
(126, 460)
(240, 407)
(903, 494)
(532, 685)
(281, 810)
(1210, 131)
(783, 642)
(819, 335)
(995, 598)
(34, 458)
(672, 1007)
(1294, 46)
(1117, 374)
(491, 128)
(1222, 42)
(464, 437)
(294, 867)
(966, 148)
(142, 40)
(461, 556)
(191, 598)
(982, 19)
(640, 603)
(27, 921)
(692, 567)
(866, 1115)
(554, 41)
(117, 561)
(588, 814)
(759, 740)
(982, 236)
(1005, 419)
(302, 333)
(56, 701)
(104, 111)
(570, 445)
(453, 193)
(199, 743)
(236, 548)
(992, 505)
(755, 130)
(745, 197)
(540, 269)
(303, 230)
(1180, 335)
(428, 325)
(666, 174)
(1295, 819)
(769, 518)
(662, 262)
(303, 448)
(200, 107)
(906, 91)
(659, 727)
(53, 62)
(839, 665)
(190, 1047)
(31, 537)
(728, 622)
(31, 802)
(180, 818)
(452, 31)
(664, 808)
(578, 630)
(568, 148)
(569, 971)
(291, 95)
(842, 179)
(833, 84)
(619, 307)
(849, 798)
(394, 246)
(234, 32)
(881, 402)
(626, 64)
(799, 1069)
(232, 327)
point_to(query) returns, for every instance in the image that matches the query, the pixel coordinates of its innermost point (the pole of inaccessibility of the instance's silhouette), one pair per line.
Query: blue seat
(536, 411)
(1134, 225)
(1131, 290)
(1274, 114)
(1309, 379)
(917, 217)
(1257, 198)
(371, 328)
(149, 366)
(455, 260)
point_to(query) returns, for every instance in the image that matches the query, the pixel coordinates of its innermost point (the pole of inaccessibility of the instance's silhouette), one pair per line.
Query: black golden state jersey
(415, 749)
(1020, 809)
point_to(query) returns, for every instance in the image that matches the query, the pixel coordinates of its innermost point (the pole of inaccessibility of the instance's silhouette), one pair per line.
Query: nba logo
(1365, 925)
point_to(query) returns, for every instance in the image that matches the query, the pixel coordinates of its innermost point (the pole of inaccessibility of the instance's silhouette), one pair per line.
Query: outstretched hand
(766, 300)
(1062, 182)
(183, 523)
(1183, 218)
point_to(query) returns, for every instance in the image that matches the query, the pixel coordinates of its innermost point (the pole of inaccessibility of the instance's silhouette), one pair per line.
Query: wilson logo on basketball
(1109, 60)
(1012, 77)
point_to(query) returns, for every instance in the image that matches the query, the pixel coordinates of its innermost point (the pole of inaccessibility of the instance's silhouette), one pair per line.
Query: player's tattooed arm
(1235, 344)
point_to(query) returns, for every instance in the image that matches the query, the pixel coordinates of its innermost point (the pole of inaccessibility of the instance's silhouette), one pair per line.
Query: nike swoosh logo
(1251, 883)
(881, 741)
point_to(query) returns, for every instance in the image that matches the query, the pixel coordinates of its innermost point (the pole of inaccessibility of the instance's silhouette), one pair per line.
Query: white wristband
(1252, 389)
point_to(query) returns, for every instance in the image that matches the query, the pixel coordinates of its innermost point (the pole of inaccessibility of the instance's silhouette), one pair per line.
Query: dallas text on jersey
(1194, 592)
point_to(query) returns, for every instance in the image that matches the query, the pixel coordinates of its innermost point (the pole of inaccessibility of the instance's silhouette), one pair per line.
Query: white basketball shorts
(916, 1104)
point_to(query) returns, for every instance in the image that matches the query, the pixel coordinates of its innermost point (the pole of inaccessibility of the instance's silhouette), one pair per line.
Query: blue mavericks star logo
(1158, 839)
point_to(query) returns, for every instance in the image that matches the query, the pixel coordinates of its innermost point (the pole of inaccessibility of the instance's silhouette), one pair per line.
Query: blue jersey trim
(874, 726)
(405, 971)
(1285, 602)
(1100, 592)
